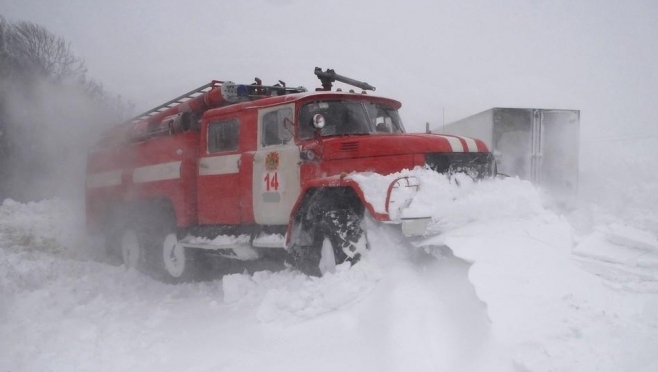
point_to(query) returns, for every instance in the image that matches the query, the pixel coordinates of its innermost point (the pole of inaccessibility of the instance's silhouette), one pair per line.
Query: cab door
(219, 172)
(276, 177)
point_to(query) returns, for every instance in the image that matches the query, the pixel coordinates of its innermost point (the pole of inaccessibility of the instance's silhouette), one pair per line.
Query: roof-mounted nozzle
(328, 77)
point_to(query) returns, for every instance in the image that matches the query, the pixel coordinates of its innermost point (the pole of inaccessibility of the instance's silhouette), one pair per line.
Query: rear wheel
(146, 240)
(176, 262)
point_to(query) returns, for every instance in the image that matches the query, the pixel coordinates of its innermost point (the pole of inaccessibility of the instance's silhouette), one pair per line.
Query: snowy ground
(530, 289)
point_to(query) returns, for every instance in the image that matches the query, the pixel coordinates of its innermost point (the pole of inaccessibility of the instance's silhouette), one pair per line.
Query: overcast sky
(442, 59)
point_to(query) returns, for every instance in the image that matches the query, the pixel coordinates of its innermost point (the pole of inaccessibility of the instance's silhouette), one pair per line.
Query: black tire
(338, 237)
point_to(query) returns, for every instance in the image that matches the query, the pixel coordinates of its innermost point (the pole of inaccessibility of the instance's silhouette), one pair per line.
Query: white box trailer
(539, 145)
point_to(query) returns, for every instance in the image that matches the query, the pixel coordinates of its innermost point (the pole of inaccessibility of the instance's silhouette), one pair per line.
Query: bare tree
(39, 52)
(4, 55)
(49, 112)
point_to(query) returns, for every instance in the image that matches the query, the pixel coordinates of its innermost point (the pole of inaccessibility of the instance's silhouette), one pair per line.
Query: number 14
(271, 181)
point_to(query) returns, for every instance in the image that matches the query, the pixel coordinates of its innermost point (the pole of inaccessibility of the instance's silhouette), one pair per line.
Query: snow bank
(56, 226)
(625, 256)
(391, 312)
(633, 238)
(527, 293)
(549, 312)
(553, 315)
(288, 296)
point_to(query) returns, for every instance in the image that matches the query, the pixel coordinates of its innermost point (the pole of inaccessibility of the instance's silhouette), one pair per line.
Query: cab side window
(276, 127)
(223, 136)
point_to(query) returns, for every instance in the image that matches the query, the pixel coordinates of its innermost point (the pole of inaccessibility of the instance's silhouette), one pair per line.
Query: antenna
(443, 120)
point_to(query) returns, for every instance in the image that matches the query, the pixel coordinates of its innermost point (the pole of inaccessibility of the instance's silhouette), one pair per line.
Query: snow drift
(526, 292)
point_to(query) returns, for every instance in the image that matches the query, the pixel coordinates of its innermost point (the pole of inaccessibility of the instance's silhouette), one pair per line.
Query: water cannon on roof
(329, 76)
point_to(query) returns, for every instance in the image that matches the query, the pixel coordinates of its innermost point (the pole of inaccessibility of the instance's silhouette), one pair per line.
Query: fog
(443, 60)
(529, 288)
(52, 127)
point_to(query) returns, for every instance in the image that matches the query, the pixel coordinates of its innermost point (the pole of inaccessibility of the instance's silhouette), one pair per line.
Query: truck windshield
(349, 118)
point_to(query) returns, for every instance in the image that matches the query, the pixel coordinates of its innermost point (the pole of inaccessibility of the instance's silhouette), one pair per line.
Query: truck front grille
(349, 146)
(478, 165)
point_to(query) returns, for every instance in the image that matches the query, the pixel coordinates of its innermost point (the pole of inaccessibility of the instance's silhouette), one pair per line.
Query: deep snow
(531, 288)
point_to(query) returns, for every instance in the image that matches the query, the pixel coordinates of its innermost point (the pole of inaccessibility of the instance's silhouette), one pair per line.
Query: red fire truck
(250, 171)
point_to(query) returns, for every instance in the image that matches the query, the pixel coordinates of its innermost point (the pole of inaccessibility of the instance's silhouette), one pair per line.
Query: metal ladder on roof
(177, 101)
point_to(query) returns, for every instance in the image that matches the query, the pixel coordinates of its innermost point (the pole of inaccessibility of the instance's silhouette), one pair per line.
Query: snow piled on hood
(456, 200)
(532, 289)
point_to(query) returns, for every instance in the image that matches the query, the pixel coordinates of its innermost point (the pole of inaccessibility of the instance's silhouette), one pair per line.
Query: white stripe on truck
(157, 172)
(455, 144)
(226, 164)
(470, 144)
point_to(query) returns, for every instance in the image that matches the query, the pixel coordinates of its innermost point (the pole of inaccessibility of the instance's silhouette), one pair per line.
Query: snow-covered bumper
(401, 192)
(394, 199)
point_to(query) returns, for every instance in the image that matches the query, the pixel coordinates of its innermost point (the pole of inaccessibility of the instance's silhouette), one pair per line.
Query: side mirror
(318, 121)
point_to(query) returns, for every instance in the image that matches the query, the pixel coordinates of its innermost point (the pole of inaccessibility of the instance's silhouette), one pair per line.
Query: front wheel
(338, 237)
(328, 261)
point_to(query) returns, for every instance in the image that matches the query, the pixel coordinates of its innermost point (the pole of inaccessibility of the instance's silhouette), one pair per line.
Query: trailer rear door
(560, 141)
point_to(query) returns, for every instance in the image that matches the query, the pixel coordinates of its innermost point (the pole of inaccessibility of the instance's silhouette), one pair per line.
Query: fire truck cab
(246, 171)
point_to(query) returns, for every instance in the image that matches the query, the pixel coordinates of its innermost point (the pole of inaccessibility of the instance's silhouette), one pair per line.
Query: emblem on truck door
(272, 161)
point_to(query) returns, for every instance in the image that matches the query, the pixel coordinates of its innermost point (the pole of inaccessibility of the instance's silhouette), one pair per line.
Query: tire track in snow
(427, 310)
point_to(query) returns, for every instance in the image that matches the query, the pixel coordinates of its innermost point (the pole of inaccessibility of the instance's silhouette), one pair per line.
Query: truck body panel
(539, 145)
